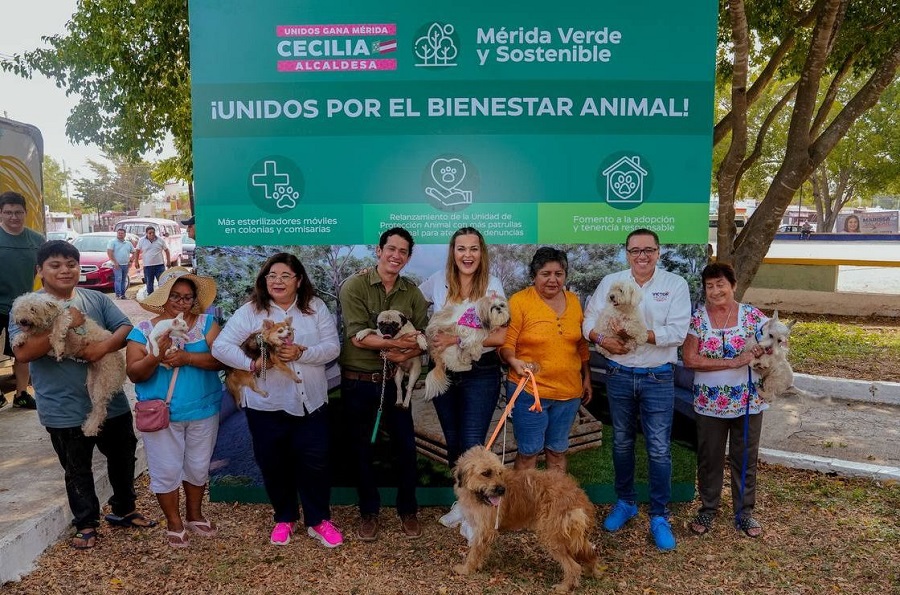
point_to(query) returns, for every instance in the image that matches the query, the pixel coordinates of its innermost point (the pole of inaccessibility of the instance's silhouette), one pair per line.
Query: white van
(166, 229)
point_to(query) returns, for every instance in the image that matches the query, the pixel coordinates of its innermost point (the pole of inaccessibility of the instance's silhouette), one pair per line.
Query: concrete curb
(829, 465)
(886, 393)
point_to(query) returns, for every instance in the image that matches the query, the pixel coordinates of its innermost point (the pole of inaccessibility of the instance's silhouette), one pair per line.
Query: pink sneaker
(281, 534)
(326, 533)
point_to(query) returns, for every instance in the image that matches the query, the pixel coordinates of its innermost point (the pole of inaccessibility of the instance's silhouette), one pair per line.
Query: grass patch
(823, 341)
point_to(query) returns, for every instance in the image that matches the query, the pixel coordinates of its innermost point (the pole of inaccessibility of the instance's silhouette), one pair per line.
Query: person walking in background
(178, 456)
(363, 297)
(120, 251)
(18, 253)
(155, 255)
(724, 385)
(640, 384)
(63, 401)
(290, 426)
(466, 409)
(544, 335)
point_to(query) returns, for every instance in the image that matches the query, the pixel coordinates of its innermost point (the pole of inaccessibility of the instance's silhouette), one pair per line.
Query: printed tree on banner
(436, 47)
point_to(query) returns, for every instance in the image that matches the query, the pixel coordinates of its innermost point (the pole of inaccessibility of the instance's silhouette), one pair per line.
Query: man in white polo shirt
(156, 256)
(640, 384)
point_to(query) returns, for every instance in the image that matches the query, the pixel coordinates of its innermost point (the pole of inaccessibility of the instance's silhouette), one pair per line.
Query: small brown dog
(268, 339)
(549, 503)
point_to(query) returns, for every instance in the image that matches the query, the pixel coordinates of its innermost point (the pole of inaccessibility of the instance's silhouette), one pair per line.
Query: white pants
(181, 452)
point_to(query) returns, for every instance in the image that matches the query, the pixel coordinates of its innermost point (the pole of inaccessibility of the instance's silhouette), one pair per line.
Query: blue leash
(746, 461)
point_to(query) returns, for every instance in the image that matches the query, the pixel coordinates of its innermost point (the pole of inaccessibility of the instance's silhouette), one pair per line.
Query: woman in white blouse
(289, 427)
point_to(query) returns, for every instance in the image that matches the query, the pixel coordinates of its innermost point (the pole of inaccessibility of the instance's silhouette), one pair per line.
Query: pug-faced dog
(391, 324)
(470, 324)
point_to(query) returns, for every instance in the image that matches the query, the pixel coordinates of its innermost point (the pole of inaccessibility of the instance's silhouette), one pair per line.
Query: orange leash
(512, 400)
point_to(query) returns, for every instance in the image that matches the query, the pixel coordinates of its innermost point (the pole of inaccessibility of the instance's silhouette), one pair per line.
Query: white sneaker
(452, 518)
(465, 529)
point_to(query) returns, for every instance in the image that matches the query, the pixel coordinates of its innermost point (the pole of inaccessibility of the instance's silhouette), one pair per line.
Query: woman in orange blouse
(545, 335)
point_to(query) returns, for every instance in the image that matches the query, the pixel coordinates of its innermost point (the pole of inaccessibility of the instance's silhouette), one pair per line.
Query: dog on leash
(471, 325)
(550, 503)
(622, 308)
(776, 375)
(264, 342)
(390, 324)
(39, 312)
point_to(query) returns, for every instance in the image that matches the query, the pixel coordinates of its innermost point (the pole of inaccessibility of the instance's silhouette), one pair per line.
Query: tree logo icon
(437, 46)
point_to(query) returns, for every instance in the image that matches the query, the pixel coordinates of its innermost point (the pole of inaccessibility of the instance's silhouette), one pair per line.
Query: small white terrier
(622, 303)
(776, 375)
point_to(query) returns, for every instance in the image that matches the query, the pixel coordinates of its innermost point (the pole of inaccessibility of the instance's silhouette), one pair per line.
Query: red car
(96, 267)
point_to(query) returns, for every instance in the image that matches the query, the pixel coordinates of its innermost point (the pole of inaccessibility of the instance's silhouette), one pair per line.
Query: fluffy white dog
(471, 325)
(40, 312)
(390, 324)
(776, 374)
(622, 307)
(176, 327)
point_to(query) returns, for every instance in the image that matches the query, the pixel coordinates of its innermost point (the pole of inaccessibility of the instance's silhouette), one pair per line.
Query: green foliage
(55, 179)
(128, 63)
(123, 187)
(823, 341)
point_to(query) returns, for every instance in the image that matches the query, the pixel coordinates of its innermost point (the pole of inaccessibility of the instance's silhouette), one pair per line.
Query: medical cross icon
(270, 179)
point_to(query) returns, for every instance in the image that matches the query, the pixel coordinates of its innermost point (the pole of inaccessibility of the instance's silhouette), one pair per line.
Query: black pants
(712, 433)
(361, 400)
(117, 442)
(292, 453)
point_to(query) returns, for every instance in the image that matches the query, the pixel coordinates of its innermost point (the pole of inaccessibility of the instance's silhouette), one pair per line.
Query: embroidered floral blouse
(724, 393)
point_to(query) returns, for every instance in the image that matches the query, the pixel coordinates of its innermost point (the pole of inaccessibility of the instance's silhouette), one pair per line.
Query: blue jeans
(466, 409)
(292, 454)
(151, 274)
(548, 429)
(651, 396)
(361, 400)
(120, 279)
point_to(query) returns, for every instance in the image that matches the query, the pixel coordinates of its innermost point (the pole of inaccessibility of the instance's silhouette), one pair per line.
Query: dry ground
(822, 535)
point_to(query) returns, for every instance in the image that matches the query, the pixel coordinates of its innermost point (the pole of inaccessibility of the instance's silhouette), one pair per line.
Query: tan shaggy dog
(622, 303)
(549, 503)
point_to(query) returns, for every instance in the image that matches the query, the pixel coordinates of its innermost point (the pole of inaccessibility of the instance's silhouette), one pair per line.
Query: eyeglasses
(185, 299)
(272, 278)
(18, 214)
(642, 251)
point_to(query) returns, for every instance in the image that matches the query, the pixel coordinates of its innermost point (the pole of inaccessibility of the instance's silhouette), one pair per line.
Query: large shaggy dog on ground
(40, 312)
(549, 503)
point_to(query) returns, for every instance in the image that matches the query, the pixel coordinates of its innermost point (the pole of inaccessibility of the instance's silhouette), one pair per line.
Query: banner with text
(573, 122)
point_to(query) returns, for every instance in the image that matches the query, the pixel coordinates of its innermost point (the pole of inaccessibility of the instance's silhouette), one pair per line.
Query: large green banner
(321, 122)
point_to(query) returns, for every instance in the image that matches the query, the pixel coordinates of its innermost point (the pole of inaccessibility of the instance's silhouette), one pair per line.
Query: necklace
(725, 321)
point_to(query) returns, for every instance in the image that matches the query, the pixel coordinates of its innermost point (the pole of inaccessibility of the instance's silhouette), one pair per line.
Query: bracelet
(599, 339)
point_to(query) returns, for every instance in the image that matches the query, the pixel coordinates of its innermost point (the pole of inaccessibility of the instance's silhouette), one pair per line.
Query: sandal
(177, 539)
(203, 528)
(84, 539)
(701, 524)
(750, 526)
(132, 520)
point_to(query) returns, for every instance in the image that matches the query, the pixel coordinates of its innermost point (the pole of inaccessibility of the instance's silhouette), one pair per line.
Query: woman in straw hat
(289, 427)
(180, 454)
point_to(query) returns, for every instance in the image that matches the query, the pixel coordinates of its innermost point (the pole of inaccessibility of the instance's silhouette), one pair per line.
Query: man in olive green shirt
(363, 297)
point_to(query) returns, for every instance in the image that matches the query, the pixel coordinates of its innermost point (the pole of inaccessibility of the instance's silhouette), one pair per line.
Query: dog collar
(470, 319)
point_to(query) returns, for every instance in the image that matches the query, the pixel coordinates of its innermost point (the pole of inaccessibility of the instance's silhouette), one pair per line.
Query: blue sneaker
(621, 513)
(662, 533)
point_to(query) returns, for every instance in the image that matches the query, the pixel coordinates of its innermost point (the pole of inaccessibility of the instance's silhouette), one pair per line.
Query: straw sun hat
(206, 291)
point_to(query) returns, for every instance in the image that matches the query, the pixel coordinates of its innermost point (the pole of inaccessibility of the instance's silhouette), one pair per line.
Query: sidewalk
(852, 430)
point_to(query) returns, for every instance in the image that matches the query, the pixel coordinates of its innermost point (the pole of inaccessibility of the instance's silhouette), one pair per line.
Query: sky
(38, 101)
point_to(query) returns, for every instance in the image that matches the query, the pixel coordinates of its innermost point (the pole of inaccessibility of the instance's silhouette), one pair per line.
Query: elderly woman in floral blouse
(716, 348)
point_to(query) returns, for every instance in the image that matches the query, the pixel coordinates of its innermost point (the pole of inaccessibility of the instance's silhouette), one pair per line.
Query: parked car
(96, 267)
(166, 229)
(187, 251)
(62, 234)
(795, 228)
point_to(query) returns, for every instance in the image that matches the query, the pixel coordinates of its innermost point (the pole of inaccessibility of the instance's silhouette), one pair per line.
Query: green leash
(381, 402)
